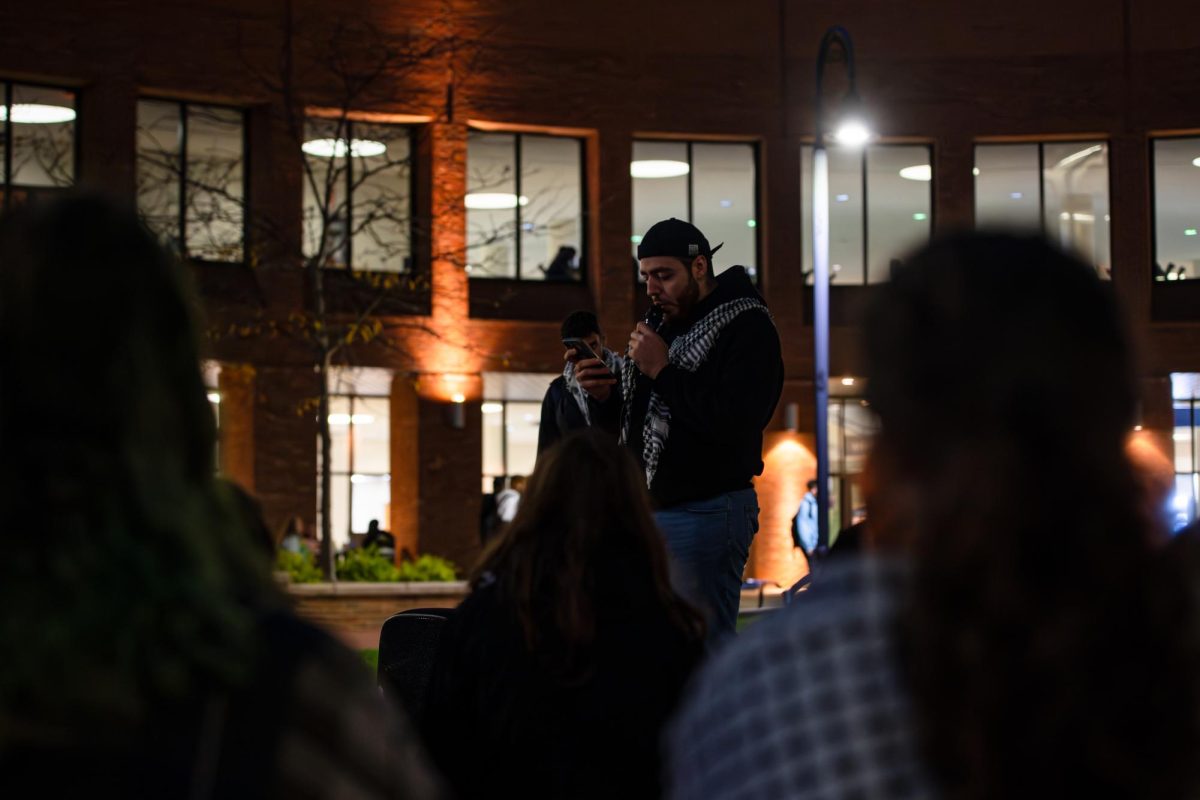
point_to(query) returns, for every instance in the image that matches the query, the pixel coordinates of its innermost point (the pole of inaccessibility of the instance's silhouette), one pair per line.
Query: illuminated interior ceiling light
(37, 113)
(636, 238)
(492, 408)
(917, 172)
(1082, 154)
(336, 148)
(847, 381)
(346, 419)
(920, 216)
(975, 172)
(214, 397)
(841, 198)
(750, 223)
(726, 204)
(656, 168)
(491, 201)
(1189, 232)
(1015, 195)
(852, 133)
(1078, 217)
(1196, 162)
(1181, 436)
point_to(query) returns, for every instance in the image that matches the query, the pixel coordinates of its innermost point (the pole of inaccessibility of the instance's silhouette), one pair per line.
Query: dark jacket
(719, 412)
(560, 414)
(500, 722)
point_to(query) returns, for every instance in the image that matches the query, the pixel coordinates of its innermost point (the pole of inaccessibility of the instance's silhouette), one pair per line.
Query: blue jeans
(709, 541)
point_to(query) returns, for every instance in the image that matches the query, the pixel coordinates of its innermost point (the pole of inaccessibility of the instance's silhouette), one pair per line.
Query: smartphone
(581, 348)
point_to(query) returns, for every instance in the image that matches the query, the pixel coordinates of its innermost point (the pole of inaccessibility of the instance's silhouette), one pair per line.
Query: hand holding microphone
(646, 347)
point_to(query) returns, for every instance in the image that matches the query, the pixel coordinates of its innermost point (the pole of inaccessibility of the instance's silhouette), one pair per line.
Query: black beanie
(674, 237)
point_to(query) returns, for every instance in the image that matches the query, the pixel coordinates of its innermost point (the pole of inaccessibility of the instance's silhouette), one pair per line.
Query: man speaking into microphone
(697, 394)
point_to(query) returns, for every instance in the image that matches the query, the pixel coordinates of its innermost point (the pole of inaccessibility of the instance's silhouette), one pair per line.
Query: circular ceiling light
(37, 113)
(491, 201)
(658, 169)
(336, 148)
(1196, 162)
(917, 172)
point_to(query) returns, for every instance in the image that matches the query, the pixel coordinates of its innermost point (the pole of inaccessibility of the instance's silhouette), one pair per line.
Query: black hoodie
(718, 412)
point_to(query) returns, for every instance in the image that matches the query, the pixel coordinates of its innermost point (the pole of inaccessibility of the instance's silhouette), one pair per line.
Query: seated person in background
(555, 676)
(1015, 633)
(378, 537)
(567, 406)
(147, 652)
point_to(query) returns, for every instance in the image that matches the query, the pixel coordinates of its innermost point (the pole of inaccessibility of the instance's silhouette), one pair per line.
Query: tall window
(358, 182)
(1186, 393)
(1058, 188)
(510, 434)
(359, 428)
(1176, 209)
(852, 428)
(880, 208)
(191, 177)
(525, 207)
(37, 141)
(713, 185)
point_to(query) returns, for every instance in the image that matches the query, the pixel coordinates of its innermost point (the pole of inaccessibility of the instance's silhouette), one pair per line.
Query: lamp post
(851, 131)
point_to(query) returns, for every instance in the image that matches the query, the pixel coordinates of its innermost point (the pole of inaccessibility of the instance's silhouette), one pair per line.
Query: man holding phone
(698, 390)
(576, 398)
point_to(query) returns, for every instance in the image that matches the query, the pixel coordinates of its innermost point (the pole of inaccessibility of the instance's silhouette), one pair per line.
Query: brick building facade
(944, 74)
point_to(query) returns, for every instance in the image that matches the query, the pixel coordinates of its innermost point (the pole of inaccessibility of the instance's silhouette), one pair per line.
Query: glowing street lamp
(850, 131)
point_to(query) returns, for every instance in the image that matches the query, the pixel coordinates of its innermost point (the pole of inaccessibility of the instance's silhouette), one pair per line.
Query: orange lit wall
(789, 463)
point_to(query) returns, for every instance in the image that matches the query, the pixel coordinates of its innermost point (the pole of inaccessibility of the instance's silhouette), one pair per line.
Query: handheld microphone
(654, 317)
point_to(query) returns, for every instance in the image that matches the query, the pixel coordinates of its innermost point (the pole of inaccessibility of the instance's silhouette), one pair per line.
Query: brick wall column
(611, 274)
(405, 465)
(108, 137)
(236, 384)
(954, 184)
(451, 463)
(285, 467)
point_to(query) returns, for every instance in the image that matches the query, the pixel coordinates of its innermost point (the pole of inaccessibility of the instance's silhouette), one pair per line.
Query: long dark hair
(584, 519)
(1041, 641)
(126, 579)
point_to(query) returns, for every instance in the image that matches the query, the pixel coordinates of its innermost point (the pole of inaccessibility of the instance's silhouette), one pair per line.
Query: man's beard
(687, 300)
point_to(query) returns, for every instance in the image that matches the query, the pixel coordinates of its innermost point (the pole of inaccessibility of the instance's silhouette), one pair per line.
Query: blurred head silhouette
(584, 536)
(1002, 376)
(121, 553)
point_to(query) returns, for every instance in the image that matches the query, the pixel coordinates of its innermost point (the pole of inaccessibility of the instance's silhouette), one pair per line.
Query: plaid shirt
(808, 703)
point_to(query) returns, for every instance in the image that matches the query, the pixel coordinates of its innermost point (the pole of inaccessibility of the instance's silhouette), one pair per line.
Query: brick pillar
(285, 469)
(451, 463)
(108, 137)
(236, 383)
(954, 184)
(405, 465)
(611, 264)
(1132, 229)
(446, 144)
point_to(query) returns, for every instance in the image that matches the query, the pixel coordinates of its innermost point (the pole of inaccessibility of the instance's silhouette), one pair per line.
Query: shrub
(428, 568)
(365, 564)
(300, 567)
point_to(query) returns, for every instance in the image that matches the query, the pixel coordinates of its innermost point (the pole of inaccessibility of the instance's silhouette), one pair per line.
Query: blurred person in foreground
(146, 650)
(1012, 634)
(555, 676)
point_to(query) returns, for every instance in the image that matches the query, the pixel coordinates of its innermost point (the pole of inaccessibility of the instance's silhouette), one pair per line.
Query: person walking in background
(697, 394)
(147, 651)
(986, 648)
(567, 406)
(804, 524)
(509, 500)
(555, 676)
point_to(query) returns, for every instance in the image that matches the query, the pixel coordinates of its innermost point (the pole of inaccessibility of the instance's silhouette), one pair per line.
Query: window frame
(690, 142)
(1041, 177)
(349, 122)
(335, 475)
(1193, 408)
(181, 231)
(7, 185)
(806, 219)
(584, 205)
(1152, 172)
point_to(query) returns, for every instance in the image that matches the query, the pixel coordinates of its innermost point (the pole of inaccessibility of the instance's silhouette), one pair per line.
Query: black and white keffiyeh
(688, 352)
(615, 364)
